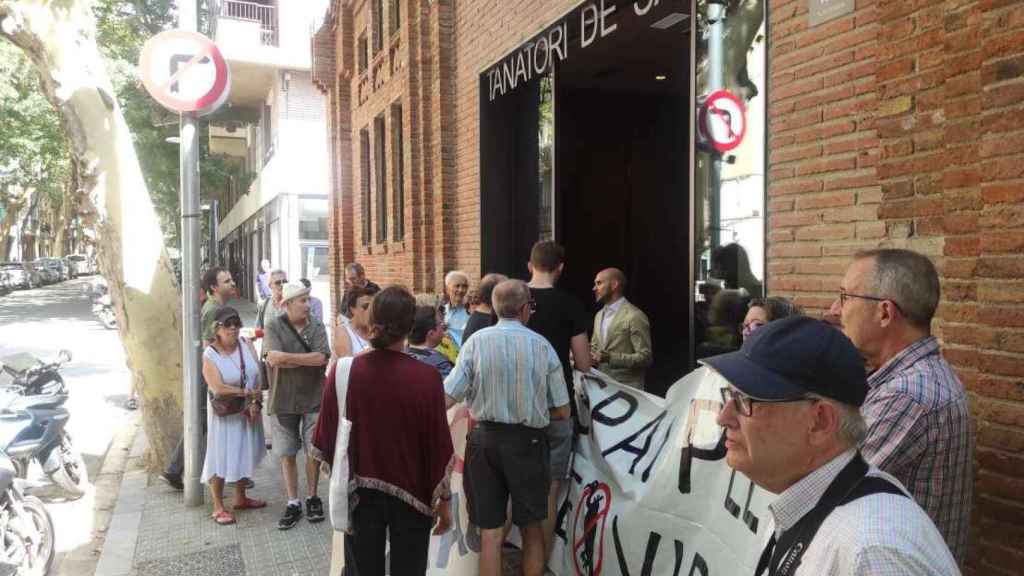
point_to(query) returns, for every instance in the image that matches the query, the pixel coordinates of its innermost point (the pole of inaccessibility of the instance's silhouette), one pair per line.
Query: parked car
(49, 271)
(68, 268)
(20, 274)
(83, 265)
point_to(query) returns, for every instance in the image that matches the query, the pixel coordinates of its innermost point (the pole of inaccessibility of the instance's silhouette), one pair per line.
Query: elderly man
(512, 380)
(919, 427)
(621, 347)
(296, 351)
(792, 426)
(272, 306)
(355, 275)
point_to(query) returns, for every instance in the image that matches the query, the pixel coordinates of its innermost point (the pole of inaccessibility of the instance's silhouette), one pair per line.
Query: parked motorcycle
(26, 529)
(104, 310)
(33, 422)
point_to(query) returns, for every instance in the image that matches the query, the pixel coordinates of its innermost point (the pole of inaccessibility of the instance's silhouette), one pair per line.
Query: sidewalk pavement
(153, 533)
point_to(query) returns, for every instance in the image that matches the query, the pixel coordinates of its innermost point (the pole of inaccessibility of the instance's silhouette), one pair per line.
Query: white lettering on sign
(537, 57)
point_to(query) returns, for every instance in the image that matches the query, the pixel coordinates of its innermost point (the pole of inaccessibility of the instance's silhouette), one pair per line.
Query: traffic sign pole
(190, 221)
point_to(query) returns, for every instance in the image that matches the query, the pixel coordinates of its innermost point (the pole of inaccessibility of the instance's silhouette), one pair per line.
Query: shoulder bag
(341, 517)
(229, 405)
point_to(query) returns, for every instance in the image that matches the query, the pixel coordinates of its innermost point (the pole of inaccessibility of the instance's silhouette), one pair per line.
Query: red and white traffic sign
(185, 71)
(723, 120)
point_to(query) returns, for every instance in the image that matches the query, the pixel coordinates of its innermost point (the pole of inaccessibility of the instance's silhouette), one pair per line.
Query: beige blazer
(628, 345)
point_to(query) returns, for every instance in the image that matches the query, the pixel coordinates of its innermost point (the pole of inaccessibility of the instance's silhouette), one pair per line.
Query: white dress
(234, 446)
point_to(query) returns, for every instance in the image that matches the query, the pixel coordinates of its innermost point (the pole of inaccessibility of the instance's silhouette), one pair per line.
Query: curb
(118, 552)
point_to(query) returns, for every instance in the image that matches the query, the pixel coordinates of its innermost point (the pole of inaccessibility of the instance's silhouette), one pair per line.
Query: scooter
(26, 529)
(33, 422)
(104, 310)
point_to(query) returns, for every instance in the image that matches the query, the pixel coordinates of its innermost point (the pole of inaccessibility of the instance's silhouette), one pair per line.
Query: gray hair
(451, 276)
(909, 279)
(509, 298)
(853, 429)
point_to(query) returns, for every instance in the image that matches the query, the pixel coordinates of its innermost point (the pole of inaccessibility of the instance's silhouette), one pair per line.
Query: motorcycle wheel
(72, 475)
(38, 552)
(108, 319)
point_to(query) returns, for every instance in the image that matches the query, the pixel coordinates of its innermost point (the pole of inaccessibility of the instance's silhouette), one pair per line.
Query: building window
(312, 219)
(364, 53)
(395, 10)
(364, 182)
(378, 26)
(380, 178)
(397, 173)
(268, 132)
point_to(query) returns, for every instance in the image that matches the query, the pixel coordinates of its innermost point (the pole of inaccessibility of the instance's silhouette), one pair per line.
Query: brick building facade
(899, 124)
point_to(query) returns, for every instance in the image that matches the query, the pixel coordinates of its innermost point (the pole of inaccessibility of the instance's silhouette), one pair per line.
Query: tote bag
(340, 514)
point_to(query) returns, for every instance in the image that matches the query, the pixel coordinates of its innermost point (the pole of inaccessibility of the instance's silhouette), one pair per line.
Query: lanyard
(782, 557)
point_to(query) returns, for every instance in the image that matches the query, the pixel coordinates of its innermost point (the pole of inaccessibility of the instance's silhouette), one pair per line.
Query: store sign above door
(595, 21)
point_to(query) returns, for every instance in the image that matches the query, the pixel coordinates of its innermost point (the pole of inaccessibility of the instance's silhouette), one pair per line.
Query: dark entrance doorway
(618, 194)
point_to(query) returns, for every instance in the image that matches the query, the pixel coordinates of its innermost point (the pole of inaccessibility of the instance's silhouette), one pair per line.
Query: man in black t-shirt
(561, 318)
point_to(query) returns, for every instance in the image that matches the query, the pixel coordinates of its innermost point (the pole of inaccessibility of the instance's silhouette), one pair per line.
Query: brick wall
(903, 125)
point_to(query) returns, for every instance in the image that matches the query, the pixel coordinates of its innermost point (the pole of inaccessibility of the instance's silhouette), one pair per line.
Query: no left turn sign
(185, 72)
(723, 120)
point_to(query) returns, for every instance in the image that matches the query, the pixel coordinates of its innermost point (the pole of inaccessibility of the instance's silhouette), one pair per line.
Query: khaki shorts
(291, 432)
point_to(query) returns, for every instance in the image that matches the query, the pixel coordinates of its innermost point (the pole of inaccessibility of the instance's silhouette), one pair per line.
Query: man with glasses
(919, 427)
(792, 425)
(512, 380)
(273, 304)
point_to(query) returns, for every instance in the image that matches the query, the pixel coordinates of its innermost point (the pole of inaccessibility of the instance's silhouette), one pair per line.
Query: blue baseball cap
(789, 358)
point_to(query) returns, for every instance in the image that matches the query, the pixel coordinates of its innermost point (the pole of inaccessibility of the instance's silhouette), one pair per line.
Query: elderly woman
(353, 336)
(761, 311)
(456, 306)
(234, 440)
(397, 402)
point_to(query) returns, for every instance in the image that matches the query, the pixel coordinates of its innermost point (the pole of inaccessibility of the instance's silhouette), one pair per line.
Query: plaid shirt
(919, 430)
(872, 535)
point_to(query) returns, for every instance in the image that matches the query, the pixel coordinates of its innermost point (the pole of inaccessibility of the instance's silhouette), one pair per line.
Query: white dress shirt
(608, 314)
(872, 535)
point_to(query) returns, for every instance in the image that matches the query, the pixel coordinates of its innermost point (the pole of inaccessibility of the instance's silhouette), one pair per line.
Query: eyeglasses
(844, 296)
(279, 282)
(231, 323)
(745, 404)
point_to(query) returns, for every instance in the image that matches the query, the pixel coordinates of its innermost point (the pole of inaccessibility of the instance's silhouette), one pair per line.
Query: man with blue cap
(792, 425)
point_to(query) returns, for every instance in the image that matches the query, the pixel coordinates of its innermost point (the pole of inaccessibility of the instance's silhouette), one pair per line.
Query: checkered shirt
(919, 430)
(877, 534)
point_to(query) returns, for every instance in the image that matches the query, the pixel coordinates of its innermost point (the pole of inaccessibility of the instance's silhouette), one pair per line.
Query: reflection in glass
(546, 156)
(729, 185)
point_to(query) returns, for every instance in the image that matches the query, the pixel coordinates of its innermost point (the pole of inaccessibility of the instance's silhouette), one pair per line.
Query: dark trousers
(379, 517)
(176, 467)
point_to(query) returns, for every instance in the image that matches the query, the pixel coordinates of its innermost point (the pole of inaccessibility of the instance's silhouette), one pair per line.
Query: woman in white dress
(235, 442)
(352, 334)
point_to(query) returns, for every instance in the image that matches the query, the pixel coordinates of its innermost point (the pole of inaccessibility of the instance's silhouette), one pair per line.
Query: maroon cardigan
(400, 442)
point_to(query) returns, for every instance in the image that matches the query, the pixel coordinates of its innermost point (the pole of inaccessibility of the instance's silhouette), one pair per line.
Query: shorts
(503, 461)
(291, 432)
(560, 437)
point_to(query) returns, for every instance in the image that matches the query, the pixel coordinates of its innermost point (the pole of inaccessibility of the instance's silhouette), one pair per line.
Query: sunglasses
(231, 323)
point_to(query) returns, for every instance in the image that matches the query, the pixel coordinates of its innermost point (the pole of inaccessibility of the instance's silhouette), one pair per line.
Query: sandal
(250, 504)
(224, 518)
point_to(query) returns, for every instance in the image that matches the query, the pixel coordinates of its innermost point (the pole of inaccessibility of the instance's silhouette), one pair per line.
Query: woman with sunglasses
(234, 442)
(761, 311)
(352, 335)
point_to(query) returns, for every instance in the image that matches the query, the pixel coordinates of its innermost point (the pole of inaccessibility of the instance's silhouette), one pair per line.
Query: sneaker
(172, 480)
(292, 515)
(314, 509)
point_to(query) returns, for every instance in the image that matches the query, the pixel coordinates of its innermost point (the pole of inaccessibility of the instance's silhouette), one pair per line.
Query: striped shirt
(875, 534)
(919, 430)
(508, 374)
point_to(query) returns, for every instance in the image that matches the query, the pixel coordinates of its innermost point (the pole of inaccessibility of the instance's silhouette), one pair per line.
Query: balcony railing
(264, 15)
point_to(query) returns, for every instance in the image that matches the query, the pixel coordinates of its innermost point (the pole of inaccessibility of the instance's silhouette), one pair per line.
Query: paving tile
(222, 560)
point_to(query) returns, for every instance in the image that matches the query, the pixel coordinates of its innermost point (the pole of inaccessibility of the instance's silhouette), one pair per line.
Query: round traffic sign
(184, 71)
(723, 120)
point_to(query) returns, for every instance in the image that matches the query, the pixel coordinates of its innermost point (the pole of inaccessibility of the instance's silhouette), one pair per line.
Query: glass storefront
(729, 170)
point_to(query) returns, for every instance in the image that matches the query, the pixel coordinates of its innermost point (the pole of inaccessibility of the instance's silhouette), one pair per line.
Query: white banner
(650, 492)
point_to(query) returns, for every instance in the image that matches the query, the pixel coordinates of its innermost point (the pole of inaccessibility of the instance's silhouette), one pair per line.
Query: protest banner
(650, 492)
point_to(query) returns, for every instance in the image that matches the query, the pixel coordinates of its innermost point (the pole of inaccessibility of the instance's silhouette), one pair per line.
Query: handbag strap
(241, 362)
(341, 373)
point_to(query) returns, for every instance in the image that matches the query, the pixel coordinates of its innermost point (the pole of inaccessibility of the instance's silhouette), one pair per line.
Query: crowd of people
(854, 420)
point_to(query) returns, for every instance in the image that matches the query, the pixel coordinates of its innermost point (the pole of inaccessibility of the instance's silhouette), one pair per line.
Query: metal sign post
(184, 71)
